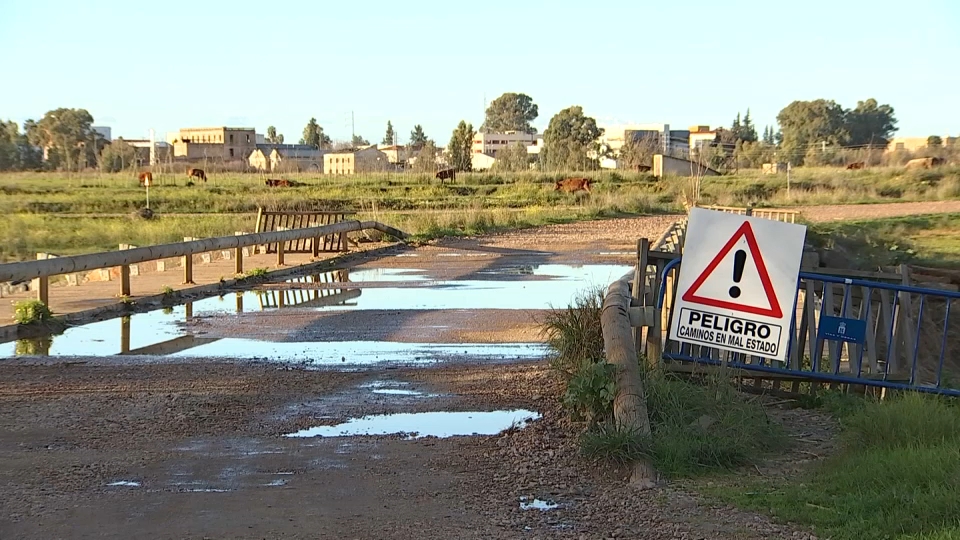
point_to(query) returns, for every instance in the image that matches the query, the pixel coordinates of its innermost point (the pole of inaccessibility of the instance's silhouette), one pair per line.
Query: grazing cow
(198, 173)
(571, 185)
(273, 182)
(447, 173)
(146, 178)
(855, 166)
(644, 168)
(924, 163)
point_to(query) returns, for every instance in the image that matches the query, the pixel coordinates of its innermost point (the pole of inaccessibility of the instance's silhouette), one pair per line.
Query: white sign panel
(737, 283)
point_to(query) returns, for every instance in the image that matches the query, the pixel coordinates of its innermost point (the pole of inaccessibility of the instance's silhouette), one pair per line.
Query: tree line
(807, 132)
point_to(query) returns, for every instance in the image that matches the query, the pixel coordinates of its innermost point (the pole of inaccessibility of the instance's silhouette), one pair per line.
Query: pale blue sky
(171, 64)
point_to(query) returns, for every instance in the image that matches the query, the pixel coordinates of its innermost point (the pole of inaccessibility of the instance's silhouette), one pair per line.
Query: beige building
(701, 136)
(395, 153)
(491, 143)
(481, 162)
(912, 144)
(364, 160)
(224, 143)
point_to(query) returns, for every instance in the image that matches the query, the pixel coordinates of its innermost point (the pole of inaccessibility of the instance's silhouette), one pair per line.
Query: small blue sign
(842, 329)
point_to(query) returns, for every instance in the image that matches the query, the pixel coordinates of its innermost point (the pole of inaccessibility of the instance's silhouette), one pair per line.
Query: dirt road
(119, 448)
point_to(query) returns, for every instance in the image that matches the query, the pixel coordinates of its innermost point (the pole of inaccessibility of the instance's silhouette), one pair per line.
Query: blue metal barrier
(897, 336)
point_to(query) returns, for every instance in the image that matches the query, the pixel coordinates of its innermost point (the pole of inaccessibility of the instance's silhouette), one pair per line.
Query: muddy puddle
(170, 332)
(439, 424)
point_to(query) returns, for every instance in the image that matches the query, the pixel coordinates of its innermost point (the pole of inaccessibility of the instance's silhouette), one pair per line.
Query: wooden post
(124, 335)
(42, 284)
(238, 261)
(639, 287)
(280, 248)
(630, 402)
(125, 273)
(188, 264)
(239, 302)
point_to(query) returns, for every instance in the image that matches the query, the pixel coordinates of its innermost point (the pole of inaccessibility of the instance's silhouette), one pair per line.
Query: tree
(460, 146)
(417, 137)
(314, 136)
(513, 158)
(638, 151)
(68, 133)
(768, 135)
(870, 124)
(570, 139)
(359, 141)
(389, 137)
(805, 123)
(934, 141)
(426, 161)
(748, 132)
(510, 112)
(274, 138)
(118, 156)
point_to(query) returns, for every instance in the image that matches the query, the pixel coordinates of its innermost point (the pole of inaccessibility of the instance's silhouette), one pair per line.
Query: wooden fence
(282, 220)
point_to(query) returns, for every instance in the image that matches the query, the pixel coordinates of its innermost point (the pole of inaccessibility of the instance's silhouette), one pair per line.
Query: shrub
(32, 312)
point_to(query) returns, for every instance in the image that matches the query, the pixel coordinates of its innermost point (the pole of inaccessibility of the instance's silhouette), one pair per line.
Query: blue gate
(850, 331)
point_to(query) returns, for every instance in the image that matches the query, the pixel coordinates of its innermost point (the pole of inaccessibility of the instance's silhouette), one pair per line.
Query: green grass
(80, 213)
(896, 476)
(928, 240)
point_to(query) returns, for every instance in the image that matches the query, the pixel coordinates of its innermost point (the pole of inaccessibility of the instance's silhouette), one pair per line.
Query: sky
(166, 65)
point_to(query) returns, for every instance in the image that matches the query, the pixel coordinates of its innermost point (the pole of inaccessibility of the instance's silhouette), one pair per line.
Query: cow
(146, 178)
(273, 182)
(571, 185)
(198, 173)
(924, 163)
(447, 173)
(856, 166)
(644, 168)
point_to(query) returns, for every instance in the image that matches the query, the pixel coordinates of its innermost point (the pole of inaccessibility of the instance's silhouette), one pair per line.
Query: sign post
(737, 283)
(146, 183)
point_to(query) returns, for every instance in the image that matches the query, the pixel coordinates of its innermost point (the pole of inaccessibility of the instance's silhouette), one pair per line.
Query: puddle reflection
(427, 424)
(161, 332)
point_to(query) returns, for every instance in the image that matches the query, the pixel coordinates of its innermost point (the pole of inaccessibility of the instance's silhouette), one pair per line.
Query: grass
(80, 213)
(897, 475)
(32, 312)
(695, 428)
(928, 240)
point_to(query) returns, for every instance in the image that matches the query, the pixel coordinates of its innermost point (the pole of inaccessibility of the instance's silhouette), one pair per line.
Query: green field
(896, 475)
(75, 213)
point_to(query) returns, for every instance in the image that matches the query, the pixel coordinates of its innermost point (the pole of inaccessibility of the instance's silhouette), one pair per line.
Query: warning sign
(737, 283)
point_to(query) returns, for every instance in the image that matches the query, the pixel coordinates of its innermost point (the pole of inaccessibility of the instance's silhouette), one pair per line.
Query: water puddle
(125, 483)
(167, 332)
(427, 424)
(398, 392)
(537, 504)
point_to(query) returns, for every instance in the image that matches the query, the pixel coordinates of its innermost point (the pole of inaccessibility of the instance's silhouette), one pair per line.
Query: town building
(491, 143)
(668, 141)
(360, 160)
(226, 143)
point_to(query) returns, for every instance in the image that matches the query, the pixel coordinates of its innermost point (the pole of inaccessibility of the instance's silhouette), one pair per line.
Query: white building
(669, 140)
(491, 143)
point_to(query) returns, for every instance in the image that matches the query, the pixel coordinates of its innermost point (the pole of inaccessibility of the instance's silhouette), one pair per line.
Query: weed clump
(32, 312)
(695, 428)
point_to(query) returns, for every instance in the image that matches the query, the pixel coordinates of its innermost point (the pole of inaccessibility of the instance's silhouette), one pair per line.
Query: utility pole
(353, 132)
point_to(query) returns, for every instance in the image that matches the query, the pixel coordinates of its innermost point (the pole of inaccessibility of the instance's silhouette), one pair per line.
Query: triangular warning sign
(726, 301)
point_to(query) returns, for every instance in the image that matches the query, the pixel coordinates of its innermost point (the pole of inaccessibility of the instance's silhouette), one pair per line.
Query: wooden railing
(776, 214)
(42, 270)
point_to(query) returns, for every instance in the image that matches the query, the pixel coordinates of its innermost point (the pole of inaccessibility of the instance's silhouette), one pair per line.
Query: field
(76, 213)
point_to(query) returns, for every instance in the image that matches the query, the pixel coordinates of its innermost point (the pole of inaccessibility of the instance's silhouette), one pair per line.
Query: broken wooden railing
(42, 270)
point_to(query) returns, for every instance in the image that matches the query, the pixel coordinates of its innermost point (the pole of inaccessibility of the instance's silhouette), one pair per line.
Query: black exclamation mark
(739, 259)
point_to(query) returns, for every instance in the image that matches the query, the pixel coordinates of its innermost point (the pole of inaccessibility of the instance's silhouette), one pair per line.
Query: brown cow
(273, 182)
(855, 166)
(198, 173)
(571, 185)
(924, 163)
(146, 178)
(447, 173)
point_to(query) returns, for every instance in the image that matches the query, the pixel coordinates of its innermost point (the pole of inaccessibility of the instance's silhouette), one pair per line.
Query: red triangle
(745, 231)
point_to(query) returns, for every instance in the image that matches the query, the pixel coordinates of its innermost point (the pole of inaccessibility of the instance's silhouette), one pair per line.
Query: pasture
(66, 213)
